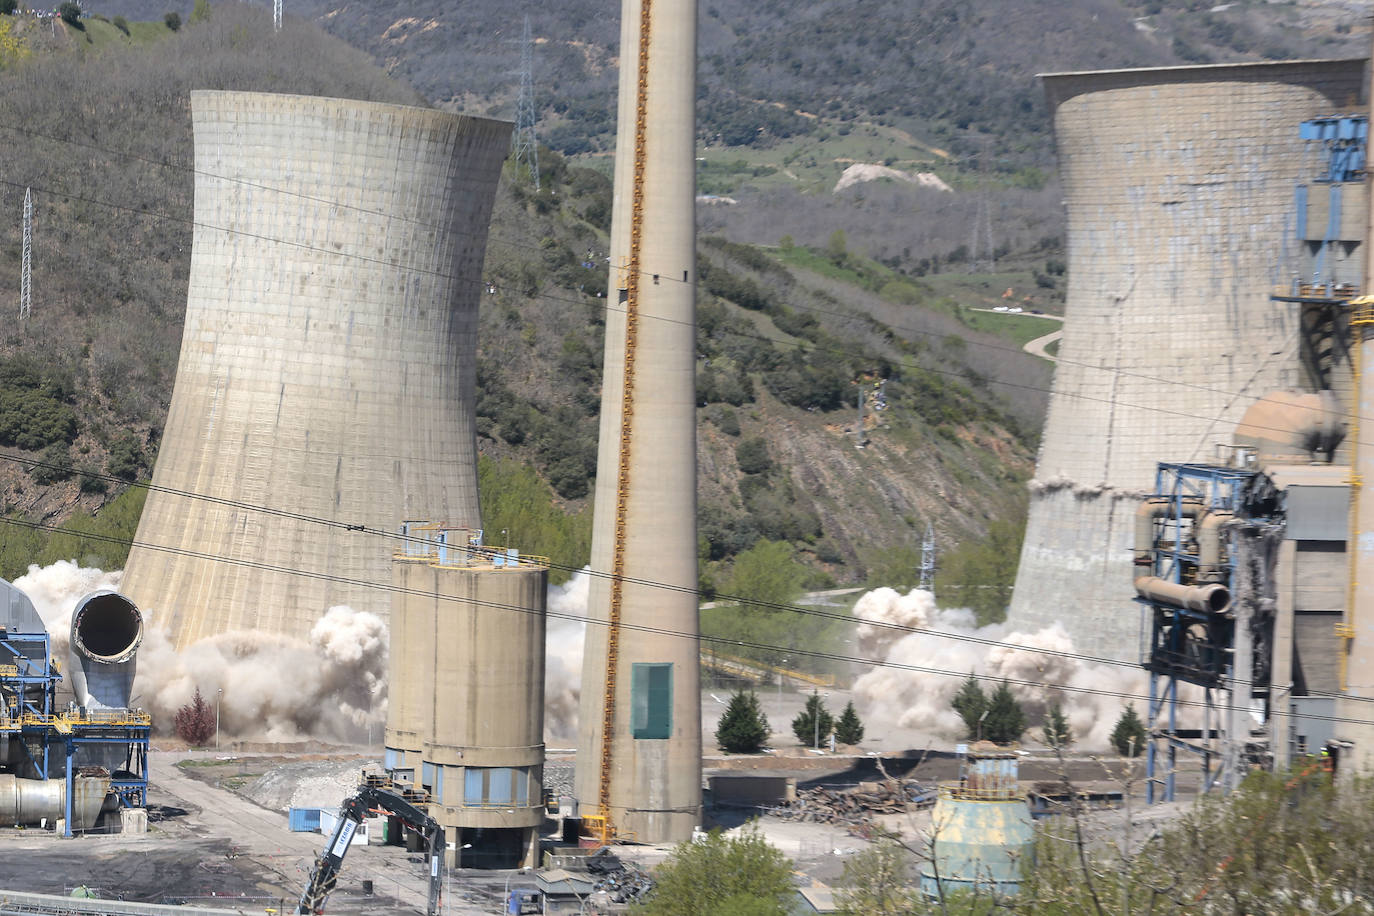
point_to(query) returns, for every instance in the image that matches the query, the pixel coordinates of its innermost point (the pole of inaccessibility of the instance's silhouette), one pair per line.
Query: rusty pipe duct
(106, 631)
(1211, 598)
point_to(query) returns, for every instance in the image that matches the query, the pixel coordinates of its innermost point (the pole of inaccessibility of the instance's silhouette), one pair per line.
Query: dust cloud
(331, 685)
(563, 656)
(891, 697)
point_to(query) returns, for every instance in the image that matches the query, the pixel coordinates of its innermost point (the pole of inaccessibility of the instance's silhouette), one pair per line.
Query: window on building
(651, 700)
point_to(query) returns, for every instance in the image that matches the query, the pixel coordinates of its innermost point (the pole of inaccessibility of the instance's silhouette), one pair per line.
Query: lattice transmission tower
(927, 581)
(26, 270)
(526, 146)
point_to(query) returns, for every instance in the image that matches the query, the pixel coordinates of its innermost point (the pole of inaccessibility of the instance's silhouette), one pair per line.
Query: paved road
(1035, 347)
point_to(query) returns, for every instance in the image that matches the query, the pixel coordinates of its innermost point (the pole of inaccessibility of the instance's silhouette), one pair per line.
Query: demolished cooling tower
(1179, 184)
(327, 363)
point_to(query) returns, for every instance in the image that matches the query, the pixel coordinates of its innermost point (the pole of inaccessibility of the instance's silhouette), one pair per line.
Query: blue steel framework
(1185, 645)
(28, 684)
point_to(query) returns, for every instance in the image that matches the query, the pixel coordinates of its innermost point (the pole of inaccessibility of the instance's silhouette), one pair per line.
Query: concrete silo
(639, 741)
(327, 362)
(467, 687)
(1179, 184)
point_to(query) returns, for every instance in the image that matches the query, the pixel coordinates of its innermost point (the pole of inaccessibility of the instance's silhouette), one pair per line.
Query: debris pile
(621, 882)
(853, 807)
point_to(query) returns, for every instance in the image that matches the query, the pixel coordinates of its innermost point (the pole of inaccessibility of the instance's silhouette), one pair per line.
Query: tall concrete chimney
(639, 747)
(327, 363)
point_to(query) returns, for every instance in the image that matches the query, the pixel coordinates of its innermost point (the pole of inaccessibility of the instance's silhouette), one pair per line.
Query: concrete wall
(327, 362)
(1179, 187)
(655, 783)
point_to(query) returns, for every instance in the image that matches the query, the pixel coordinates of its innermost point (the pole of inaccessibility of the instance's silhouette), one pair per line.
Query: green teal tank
(981, 831)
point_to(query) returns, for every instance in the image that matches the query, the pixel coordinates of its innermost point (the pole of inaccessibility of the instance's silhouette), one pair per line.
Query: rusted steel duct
(106, 631)
(1155, 507)
(25, 802)
(1210, 598)
(1209, 538)
(1286, 427)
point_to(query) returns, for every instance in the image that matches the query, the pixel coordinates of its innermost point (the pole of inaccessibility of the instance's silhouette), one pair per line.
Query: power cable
(645, 628)
(661, 276)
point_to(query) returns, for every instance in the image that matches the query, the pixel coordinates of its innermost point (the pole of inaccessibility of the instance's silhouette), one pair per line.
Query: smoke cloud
(563, 656)
(918, 701)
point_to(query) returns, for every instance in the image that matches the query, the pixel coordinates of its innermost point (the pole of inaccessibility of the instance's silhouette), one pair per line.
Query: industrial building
(1180, 185)
(327, 366)
(465, 720)
(84, 765)
(639, 737)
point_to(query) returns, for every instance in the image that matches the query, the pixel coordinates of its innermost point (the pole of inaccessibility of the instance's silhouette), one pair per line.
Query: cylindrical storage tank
(472, 663)
(982, 837)
(646, 767)
(328, 359)
(1179, 184)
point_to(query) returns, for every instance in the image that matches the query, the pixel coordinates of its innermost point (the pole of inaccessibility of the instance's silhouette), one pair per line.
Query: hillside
(789, 336)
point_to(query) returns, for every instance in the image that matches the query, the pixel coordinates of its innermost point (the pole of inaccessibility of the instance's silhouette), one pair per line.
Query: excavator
(325, 873)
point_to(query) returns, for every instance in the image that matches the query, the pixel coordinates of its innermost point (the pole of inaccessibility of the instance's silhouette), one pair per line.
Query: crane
(325, 873)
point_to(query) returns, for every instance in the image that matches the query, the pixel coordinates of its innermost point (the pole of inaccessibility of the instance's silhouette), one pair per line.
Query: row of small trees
(1000, 719)
(743, 729)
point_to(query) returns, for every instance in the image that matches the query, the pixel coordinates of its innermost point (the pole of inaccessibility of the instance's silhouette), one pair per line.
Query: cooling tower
(468, 671)
(1179, 185)
(639, 742)
(327, 362)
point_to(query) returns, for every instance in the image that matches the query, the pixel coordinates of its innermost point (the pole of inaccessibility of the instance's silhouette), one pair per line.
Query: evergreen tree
(805, 726)
(1128, 737)
(195, 722)
(744, 728)
(1005, 720)
(1056, 730)
(970, 703)
(849, 730)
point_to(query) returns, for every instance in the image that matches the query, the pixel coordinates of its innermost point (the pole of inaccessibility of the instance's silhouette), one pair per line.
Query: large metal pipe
(25, 802)
(1157, 507)
(106, 632)
(1210, 598)
(1209, 554)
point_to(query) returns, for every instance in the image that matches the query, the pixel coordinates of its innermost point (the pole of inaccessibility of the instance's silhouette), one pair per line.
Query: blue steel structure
(1340, 144)
(1185, 645)
(28, 687)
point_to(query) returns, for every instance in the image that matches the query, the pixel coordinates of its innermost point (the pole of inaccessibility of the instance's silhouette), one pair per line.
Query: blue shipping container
(303, 820)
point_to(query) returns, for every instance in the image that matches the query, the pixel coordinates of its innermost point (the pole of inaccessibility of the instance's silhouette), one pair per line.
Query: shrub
(91, 480)
(70, 13)
(849, 730)
(1128, 737)
(121, 23)
(54, 464)
(1056, 730)
(194, 723)
(720, 875)
(126, 458)
(1005, 720)
(173, 21)
(971, 703)
(744, 728)
(7, 7)
(752, 455)
(807, 728)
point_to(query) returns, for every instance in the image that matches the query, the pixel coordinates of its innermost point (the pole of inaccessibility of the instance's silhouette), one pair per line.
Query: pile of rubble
(620, 881)
(855, 806)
